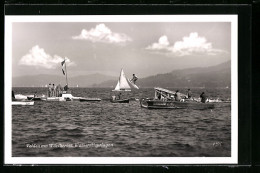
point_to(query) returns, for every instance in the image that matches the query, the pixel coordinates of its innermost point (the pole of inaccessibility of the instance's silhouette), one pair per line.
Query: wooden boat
(166, 102)
(159, 104)
(120, 101)
(23, 103)
(122, 86)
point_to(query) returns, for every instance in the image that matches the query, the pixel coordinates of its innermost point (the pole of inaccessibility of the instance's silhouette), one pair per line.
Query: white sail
(133, 85)
(122, 84)
(117, 88)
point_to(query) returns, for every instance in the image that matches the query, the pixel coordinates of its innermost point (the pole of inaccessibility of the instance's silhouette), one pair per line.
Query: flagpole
(66, 72)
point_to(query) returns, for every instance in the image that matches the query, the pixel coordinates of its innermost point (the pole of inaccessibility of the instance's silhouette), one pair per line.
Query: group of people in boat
(177, 97)
(56, 91)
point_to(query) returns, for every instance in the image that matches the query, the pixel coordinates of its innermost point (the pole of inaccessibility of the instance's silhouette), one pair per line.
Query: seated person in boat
(162, 98)
(159, 96)
(203, 97)
(177, 96)
(189, 94)
(134, 79)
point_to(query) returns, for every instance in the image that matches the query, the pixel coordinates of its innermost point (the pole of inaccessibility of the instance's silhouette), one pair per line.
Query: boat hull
(34, 98)
(25, 103)
(158, 104)
(89, 99)
(120, 101)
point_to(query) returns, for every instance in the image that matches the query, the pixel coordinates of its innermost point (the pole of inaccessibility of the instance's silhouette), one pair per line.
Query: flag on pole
(63, 66)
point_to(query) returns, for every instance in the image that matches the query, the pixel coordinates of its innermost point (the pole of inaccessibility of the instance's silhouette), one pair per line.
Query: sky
(143, 48)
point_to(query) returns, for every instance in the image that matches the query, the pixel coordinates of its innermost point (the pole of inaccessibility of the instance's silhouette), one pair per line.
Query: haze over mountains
(213, 76)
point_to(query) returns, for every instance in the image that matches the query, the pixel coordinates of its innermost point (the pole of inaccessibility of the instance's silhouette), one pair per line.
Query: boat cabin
(165, 95)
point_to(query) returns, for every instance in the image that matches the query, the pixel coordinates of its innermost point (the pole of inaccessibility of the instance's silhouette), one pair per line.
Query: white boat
(25, 103)
(20, 97)
(66, 94)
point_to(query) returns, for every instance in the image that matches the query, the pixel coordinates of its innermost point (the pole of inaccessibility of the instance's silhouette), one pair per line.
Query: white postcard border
(8, 159)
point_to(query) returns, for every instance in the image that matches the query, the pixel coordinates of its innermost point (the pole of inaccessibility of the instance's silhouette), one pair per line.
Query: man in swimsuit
(134, 79)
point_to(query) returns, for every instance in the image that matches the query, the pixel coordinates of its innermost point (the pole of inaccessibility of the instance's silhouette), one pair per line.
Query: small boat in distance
(20, 100)
(120, 101)
(23, 103)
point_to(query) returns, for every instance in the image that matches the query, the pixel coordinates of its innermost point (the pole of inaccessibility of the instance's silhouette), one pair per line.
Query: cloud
(189, 45)
(38, 57)
(101, 33)
(163, 43)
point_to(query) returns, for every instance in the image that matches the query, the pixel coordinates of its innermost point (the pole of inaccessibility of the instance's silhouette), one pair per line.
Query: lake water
(87, 129)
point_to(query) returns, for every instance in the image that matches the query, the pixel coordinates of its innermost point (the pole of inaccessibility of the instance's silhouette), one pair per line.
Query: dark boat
(168, 103)
(120, 101)
(34, 98)
(158, 104)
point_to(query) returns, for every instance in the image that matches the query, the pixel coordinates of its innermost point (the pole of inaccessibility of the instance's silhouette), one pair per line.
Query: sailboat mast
(66, 72)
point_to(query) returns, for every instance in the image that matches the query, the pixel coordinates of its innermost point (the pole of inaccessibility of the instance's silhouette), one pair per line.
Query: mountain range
(213, 76)
(43, 80)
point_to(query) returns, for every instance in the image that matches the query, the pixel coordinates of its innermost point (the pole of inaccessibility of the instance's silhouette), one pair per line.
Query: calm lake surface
(87, 129)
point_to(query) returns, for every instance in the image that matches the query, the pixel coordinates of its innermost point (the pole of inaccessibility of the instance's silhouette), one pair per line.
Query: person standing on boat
(134, 79)
(177, 96)
(119, 96)
(58, 90)
(52, 90)
(55, 90)
(49, 90)
(203, 97)
(189, 94)
(66, 87)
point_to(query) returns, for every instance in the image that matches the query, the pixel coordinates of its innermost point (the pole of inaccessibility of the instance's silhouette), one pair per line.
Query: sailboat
(123, 85)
